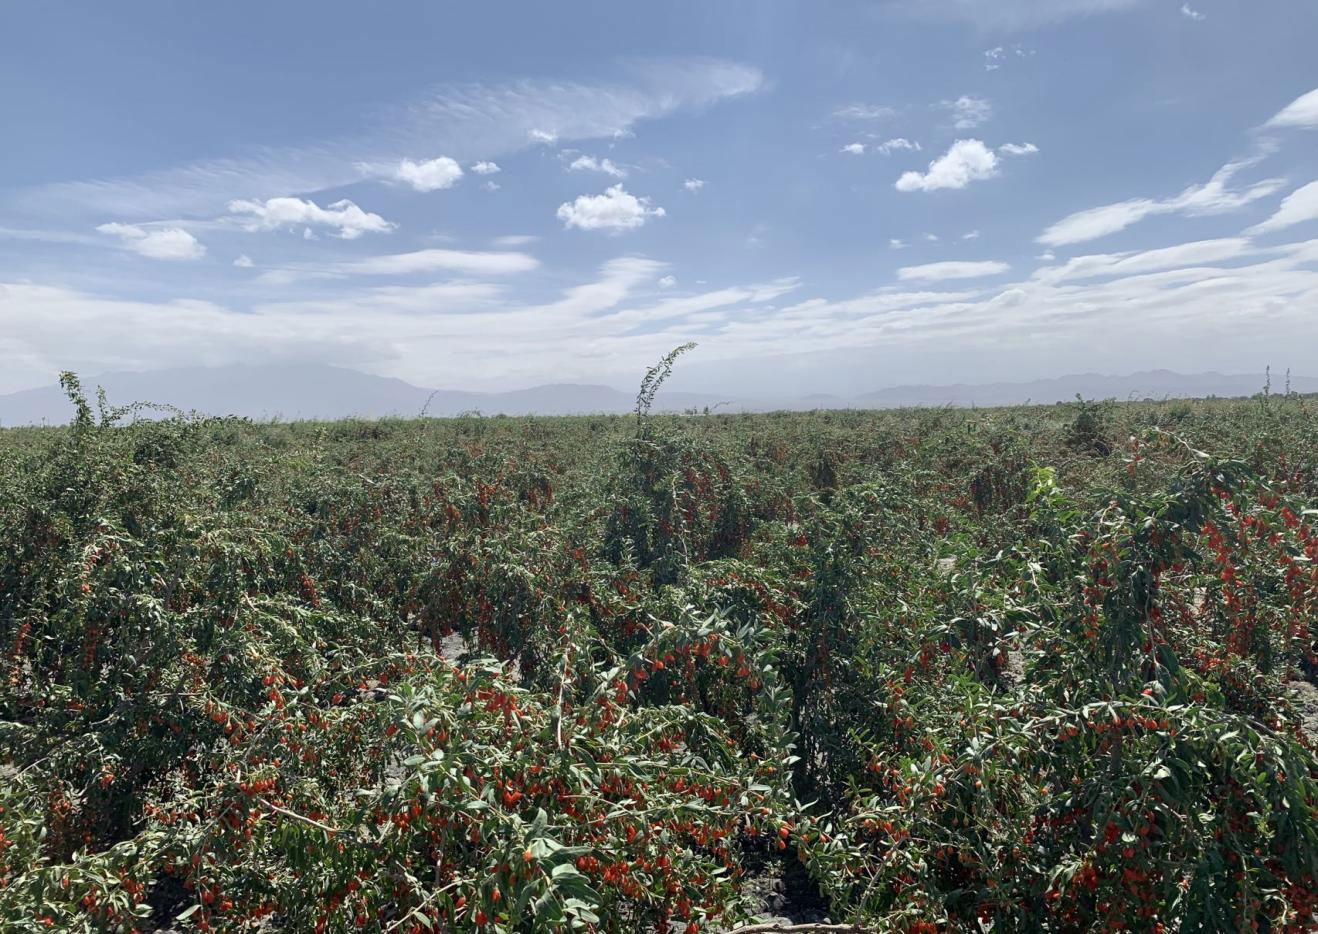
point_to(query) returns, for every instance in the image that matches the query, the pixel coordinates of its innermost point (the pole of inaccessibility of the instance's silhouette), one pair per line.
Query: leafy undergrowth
(1025, 670)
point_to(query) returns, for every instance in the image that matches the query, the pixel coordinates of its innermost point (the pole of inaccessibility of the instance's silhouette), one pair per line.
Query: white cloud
(937, 272)
(615, 210)
(968, 112)
(1301, 112)
(515, 240)
(854, 149)
(431, 175)
(173, 243)
(1212, 197)
(244, 262)
(1183, 255)
(996, 57)
(591, 164)
(1007, 15)
(491, 185)
(1190, 13)
(485, 167)
(864, 112)
(1299, 206)
(1208, 315)
(693, 184)
(466, 121)
(344, 216)
(424, 261)
(967, 160)
(667, 282)
(899, 143)
(930, 238)
(972, 235)
(896, 244)
(1018, 149)
(418, 262)
(543, 136)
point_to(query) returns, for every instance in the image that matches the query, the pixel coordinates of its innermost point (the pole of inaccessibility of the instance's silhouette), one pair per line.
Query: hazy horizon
(827, 198)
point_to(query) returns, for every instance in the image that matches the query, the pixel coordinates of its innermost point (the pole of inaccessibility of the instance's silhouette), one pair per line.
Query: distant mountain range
(306, 391)
(1151, 384)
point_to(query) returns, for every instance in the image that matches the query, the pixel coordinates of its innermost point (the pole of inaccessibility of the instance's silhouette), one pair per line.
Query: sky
(826, 196)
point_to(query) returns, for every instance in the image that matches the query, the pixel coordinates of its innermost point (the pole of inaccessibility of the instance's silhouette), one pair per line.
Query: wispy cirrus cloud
(1299, 206)
(1201, 305)
(1005, 15)
(967, 112)
(1301, 113)
(865, 112)
(938, 272)
(464, 121)
(1216, 196)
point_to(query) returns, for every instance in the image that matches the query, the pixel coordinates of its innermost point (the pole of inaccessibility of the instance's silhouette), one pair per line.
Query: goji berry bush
(1032, 669)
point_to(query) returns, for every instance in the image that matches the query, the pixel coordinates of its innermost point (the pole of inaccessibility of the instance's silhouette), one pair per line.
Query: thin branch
(774, 927)
(306, 820)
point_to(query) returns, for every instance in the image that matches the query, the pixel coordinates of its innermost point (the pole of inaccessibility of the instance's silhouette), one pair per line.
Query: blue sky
(826, 196)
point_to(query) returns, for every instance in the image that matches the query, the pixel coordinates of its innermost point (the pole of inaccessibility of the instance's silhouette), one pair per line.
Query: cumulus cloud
(345, 218)
(431, 175)
(1299, 206)
(667, 282)
(853, 149)
(936, 272)
(543, 136)
(591, 164)
(967, 112)
(244, 262)
(693, 184)
(485, 168)
(173, 243)
(887, 147)
(967, 160)
(1018, 149)
(1301, 112)
(1213, 197)
(615, 210)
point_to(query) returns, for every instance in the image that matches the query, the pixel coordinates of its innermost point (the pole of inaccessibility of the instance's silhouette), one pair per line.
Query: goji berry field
(1032, 669)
